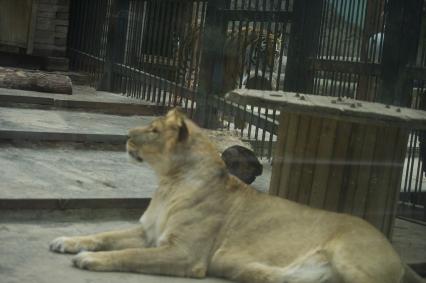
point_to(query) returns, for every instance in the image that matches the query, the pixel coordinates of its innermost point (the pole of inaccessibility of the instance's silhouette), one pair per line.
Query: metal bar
(136, 54)
(198, 61)
(347, 67)
(168, 13)
(165, 84)
(153, 15)
(256, 15)
(143, 48)
(263, 122)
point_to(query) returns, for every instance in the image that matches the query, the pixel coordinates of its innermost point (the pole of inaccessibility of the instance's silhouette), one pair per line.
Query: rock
(242, 163)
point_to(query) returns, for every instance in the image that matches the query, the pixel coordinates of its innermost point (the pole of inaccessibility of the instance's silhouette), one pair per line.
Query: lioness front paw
(89, 261)
(65, 245)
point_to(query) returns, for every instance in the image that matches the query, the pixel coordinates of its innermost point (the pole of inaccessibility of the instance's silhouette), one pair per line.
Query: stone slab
(58, 175)
(80, 93)
(71, 171)
(83, 99)
(53, 121)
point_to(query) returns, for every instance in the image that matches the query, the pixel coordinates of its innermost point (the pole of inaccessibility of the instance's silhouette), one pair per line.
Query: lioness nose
(133, 133)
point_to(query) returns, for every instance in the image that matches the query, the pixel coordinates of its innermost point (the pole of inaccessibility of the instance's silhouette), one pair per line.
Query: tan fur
(202, 221)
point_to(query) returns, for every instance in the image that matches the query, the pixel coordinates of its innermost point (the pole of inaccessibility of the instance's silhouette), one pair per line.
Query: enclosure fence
(190, 53)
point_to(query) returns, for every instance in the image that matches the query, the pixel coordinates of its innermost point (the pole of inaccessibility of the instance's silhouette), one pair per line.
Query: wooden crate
(339, 154)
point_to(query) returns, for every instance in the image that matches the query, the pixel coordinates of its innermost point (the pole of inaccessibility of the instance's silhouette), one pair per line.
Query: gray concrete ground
(25, 256)
(409, 240)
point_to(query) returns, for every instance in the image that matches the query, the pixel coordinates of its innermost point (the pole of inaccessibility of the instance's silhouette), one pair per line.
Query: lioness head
(170, 142)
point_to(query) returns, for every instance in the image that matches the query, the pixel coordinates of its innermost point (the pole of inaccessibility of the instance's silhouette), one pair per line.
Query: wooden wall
(340, 166)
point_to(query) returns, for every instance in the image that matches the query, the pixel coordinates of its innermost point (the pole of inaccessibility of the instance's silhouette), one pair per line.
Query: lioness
(203, 221)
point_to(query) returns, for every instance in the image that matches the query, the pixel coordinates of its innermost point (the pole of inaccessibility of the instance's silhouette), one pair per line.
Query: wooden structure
(339, 154)
(36, 28)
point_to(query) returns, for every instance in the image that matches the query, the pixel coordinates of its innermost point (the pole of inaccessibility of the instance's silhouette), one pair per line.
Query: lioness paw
(89, 261)
(65, 245)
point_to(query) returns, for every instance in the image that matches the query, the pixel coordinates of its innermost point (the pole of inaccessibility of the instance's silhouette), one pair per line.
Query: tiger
(243, 50)
(246, 53)
(250, 59)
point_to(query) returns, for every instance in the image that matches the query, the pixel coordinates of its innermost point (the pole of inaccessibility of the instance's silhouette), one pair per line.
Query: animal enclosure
(190, 53)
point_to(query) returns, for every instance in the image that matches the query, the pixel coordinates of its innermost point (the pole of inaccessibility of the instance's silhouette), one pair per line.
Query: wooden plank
(32, 26)
(309, 157)
(291, 139)
(364, 171)
(330, 107)
(278, 158)
(336, 188)
(380, 176)
(323, 164)
(396, 178)
(298, 157)
(351, 172)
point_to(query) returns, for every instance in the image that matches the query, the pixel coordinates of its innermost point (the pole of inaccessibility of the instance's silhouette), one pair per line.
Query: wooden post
(116, 41)
(399, 50)
(373, 7)
(210, 67)
(304, 41)
(32, 26)
(332, 164)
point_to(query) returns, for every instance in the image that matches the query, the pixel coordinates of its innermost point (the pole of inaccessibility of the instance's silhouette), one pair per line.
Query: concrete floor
(62, 170)
(25, 256)
(25, 237)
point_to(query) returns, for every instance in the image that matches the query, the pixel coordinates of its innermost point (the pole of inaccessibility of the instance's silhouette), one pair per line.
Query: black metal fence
(144, 49)
(191, 52)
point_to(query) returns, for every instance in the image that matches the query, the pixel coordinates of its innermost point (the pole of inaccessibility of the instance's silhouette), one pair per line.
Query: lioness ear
(176, 118)
(183, 132)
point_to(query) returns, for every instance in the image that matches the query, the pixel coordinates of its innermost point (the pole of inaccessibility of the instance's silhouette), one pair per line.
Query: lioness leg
(165, 260)
(113, 240)
(313, 267)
